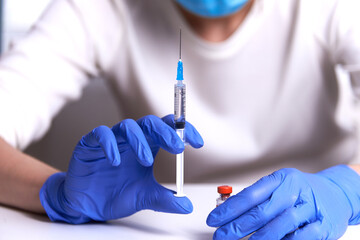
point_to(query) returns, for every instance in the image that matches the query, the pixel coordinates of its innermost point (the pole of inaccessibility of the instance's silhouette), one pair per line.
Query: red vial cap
(225, 189)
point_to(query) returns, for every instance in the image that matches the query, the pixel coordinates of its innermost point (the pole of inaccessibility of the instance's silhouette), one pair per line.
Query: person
(263, 93)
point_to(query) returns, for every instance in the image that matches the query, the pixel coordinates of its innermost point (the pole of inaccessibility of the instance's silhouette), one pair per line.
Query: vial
(225, 192)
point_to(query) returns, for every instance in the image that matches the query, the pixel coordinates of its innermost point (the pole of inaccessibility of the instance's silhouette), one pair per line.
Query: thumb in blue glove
(290, 204)
(110, 174)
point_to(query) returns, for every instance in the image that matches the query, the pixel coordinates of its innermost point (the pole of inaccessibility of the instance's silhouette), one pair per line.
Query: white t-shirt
(265, 98)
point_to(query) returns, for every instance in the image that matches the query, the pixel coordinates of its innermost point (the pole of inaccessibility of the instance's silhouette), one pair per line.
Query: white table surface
(16, 224)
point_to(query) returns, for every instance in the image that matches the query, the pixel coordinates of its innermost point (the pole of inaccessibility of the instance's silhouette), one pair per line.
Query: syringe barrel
(179, 104)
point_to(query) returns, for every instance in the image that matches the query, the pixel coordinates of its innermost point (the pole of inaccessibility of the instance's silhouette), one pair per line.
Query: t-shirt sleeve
(344, 39)
(43, 71)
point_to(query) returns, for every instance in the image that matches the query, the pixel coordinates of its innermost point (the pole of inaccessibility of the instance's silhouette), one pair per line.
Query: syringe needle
(180, 46)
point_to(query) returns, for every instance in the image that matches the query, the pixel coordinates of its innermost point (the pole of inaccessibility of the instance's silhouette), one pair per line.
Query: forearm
(21, 178)
(355, 167)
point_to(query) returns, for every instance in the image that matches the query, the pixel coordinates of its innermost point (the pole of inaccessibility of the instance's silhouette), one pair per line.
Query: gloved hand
(110, 174)
(290, 204)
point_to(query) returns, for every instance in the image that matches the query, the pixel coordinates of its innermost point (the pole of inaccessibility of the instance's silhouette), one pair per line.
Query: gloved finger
(257, 217)
(192, 136)
(161, 134)
(129, 132)
(244, 200)
(290, 220)
(312, 231)
(104, 138)
(163, 200)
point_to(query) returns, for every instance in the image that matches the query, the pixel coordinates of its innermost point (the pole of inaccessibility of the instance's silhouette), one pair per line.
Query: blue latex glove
(110, 174)
(290, 204)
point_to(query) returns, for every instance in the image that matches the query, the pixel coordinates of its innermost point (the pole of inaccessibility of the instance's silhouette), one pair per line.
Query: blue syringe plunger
(180, 71)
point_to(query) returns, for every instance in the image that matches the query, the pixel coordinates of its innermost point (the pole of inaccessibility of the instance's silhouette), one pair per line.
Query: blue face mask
(212, 8)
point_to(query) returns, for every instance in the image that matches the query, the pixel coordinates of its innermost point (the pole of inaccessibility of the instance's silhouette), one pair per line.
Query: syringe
(179, 116)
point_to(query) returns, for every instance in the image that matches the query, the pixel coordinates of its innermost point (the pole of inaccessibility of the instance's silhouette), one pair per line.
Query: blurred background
(78, 118)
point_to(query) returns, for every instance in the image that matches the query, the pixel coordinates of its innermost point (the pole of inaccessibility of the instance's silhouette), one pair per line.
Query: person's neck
(216, 29)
